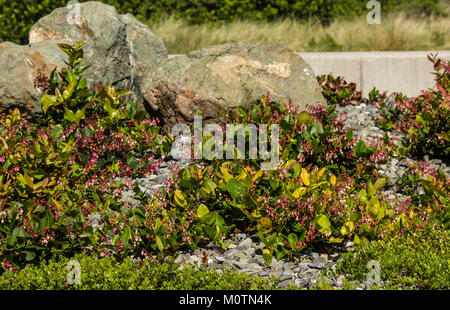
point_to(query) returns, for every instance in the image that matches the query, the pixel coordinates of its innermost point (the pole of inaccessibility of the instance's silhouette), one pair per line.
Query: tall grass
(397, 32)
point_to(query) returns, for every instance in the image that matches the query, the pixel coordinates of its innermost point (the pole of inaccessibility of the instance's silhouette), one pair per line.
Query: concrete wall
(406, 72)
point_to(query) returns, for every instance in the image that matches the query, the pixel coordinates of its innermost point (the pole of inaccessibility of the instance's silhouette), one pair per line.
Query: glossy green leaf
(47, 101)
(202, 210)
(235, 188)
(360, 148)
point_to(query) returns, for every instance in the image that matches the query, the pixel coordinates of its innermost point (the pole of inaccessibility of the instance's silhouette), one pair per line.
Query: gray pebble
(246, 243)
(239, 255)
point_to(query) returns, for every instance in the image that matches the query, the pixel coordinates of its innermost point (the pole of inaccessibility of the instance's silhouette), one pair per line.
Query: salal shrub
(292, 207)
(427, 188)
(58, 173)
(41, 207)
(424, 119)
(322, 190)
(315, 136)
(336, 90)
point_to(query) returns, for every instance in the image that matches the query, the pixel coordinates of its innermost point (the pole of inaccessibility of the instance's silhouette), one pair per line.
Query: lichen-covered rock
(119, 48)
(19, 65)
(221, 77)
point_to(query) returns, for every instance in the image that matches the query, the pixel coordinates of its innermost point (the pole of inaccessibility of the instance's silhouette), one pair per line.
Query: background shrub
(17, 17)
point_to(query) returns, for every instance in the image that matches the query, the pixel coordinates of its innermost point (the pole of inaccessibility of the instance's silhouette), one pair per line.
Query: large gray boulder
(19, 66)
(119, 48)
(226, 76)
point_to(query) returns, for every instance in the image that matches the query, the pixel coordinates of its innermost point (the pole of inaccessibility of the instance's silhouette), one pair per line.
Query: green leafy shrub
(316, 136)
(56, 173)
(375, 97)
(338, 91)
(424, 119)
(417, 261)
(297, 204)
(110, 274)
(428, 189)
(17, 17)
(163, 223)
(43, 209)
(105, 128)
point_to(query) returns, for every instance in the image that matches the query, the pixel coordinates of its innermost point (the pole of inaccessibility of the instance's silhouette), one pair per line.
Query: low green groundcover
(110, 274)
(419, 261)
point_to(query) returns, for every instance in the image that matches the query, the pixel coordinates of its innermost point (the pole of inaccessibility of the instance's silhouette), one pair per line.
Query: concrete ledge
(406, 72)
